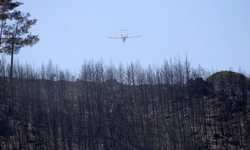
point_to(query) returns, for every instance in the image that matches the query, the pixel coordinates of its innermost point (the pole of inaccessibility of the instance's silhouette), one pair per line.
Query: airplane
(125, 36)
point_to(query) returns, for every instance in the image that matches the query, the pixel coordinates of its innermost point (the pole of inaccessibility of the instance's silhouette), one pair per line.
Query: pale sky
(214, 33)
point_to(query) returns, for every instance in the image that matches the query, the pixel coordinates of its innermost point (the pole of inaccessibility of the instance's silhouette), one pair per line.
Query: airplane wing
(133, 36)
(116, 37)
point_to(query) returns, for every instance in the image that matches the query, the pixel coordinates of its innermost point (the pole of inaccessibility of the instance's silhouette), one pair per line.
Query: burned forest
(107, 107)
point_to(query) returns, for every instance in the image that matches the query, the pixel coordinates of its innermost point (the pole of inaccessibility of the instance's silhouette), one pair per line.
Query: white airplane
(124, 37)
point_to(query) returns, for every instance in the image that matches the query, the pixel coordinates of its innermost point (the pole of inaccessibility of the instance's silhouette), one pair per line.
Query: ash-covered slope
(43, 114)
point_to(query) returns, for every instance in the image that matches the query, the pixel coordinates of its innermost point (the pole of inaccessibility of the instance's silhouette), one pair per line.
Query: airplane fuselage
(124, 38)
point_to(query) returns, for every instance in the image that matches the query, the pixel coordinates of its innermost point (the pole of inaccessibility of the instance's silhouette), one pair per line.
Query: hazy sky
(214, 33)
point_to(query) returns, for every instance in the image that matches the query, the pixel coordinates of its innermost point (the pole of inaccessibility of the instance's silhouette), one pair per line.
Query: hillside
(43, 114)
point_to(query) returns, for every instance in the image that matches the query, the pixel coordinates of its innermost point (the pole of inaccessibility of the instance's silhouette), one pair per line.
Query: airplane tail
(125, 30)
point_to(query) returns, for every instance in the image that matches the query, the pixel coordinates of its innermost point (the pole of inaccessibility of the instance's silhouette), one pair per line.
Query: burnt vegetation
(107, 107)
